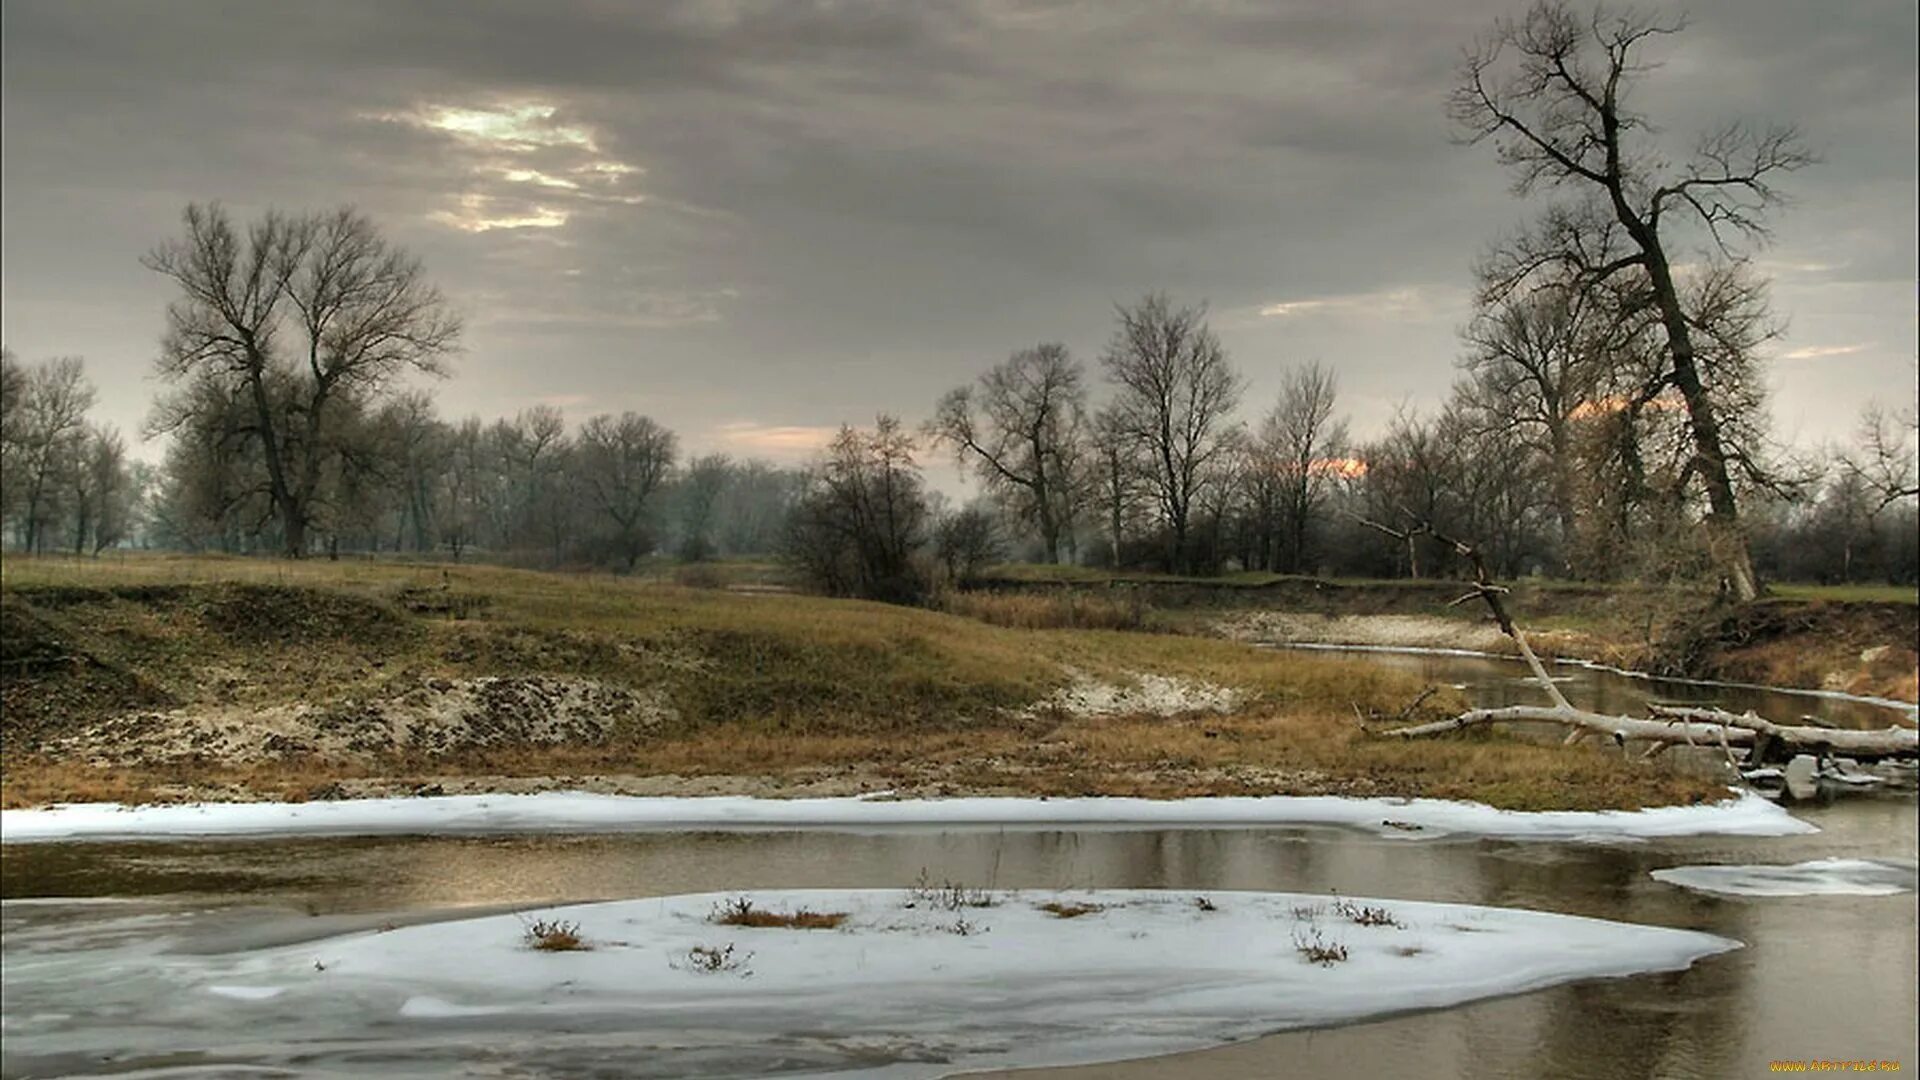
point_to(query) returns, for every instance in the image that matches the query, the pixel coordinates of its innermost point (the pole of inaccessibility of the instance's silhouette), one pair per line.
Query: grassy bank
(1859, 639)
(169, 678)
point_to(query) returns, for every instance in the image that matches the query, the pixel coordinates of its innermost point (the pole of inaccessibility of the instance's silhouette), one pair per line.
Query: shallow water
(1831, 976)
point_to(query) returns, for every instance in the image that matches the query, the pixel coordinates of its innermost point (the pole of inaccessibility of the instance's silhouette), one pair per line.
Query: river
(1823, 977)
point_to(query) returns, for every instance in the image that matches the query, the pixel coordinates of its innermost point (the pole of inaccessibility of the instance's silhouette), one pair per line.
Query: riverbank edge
(1742, 814)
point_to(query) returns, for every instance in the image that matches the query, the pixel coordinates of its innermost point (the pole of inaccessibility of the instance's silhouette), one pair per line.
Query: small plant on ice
(1318, 948)
(1365, 915)
(947, 895)
(1069, 910)
(740, 911)
(963, 928)
(554, 936)
(1205, 904)
(1308, 912)
(709, 960)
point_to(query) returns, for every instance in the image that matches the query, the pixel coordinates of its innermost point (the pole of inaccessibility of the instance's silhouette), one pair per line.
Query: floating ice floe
(1821, 877)
(909, 984)
(561, 811)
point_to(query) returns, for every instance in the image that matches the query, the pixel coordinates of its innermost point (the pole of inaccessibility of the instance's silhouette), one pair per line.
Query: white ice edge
(1820, 877)
(1912, 709)
(568, 811)
(1149, 972)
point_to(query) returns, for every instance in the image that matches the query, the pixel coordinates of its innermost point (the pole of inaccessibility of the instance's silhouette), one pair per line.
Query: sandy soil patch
(1137, 694)
(437, 716)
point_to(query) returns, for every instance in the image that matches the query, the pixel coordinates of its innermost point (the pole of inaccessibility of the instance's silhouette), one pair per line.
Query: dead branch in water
(1761, 739)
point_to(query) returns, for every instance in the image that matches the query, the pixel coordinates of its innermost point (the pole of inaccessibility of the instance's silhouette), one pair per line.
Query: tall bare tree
(1173, 407)
(1300, 444)
(622, 462)
(301, 314)
(1022, 427)
(49, 443)
(1549, 90)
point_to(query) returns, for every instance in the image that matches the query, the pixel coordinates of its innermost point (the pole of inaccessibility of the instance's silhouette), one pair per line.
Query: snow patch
(569, 811)
(998, 985)
(1821, 877)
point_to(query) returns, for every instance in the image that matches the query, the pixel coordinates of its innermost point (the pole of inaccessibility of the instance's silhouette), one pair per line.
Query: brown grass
(1069, 609)
(740, 911)
(783, 690)
(1070, 911)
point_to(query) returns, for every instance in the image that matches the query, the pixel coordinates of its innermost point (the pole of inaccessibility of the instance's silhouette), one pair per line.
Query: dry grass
(740, 911)
(1365, 915)
(546, 936)
(1060, 910)
(1318, 948)
(786, 688)
(1069, 609)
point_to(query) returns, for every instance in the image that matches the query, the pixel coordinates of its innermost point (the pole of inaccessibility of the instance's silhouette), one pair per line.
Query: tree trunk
(1723, 518)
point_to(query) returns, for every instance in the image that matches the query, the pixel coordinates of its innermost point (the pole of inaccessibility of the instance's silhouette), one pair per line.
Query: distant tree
(1535, 365)
(1175, 392)
(13, 400)
(622, 463)
(1549, 91)
(1884, 455)
(1301, 444)
(861, 523)
(104, 494)
(967, 541)
(48, 445)
(1021, 427)
(699, 497)
(299, 315)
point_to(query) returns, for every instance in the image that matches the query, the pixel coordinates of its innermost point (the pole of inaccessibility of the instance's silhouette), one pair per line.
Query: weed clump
(1318, 948)
(1070, 911)
(1364, 915)
(740, 911)
(712, 960)
(947, 895)
(554, 936)
(1205, 903)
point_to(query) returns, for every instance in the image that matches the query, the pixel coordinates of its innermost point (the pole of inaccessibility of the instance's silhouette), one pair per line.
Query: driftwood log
(1761, 741)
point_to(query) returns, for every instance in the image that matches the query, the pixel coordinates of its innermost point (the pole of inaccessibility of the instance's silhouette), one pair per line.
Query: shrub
(1318, 948)
(556, 936)
(712, 960)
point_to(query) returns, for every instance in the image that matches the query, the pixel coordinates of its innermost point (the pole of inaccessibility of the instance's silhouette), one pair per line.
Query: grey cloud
(851, 206)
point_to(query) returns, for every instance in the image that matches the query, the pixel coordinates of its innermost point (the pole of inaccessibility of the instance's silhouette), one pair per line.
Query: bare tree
(966, 541)
(1300, 444)
(49, 443)
(622, 462)
(1884, 460)
(13, 400)
(1025, 444)
(301, 314)
(861, 522)
(698, 498)
(103, 492)
(1176, 392)
(1549, 91)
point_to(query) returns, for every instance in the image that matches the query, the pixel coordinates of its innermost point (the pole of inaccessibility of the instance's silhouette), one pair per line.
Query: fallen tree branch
(1762, 739)
(1690, 726)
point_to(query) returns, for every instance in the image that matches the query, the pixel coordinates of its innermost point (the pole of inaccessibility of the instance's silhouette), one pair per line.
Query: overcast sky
(755, 221)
